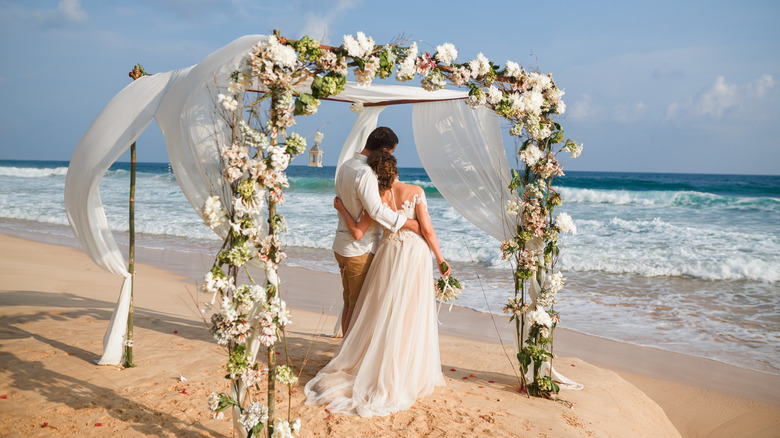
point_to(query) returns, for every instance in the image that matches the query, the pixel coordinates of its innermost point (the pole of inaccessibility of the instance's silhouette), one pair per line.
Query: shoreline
(193, 265)
(696, 408)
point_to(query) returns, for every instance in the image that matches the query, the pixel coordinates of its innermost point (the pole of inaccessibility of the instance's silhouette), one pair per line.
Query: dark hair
(381, 138)
(384, 165)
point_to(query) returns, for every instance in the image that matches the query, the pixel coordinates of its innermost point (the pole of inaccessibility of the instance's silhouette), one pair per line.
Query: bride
(390, 353)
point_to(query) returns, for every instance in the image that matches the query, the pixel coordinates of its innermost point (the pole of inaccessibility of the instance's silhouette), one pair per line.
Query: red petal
(491, 381)
(472, 375)
(183, 391)
(572, 365)
(98, 424)
(45, 425)
(465, 378)
(453, 369)
(481, 386)
(4, 397)
(176, 331)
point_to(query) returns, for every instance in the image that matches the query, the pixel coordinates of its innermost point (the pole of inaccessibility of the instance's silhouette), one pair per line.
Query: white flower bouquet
(447, 287)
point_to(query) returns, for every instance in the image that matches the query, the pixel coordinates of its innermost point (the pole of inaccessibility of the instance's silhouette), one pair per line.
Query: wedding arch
(227, 127)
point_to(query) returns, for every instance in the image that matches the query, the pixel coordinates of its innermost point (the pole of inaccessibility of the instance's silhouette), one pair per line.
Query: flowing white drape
(462, 152)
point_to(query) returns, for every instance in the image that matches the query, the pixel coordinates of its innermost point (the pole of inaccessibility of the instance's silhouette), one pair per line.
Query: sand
(55, 304)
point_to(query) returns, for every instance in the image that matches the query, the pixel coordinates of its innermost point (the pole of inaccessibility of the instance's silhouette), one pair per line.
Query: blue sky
(661, 86)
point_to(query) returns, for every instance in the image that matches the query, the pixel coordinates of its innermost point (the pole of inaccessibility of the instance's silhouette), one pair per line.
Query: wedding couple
(390, 353)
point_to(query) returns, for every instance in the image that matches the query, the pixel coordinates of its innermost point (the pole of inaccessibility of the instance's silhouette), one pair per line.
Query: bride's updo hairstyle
(384, 165)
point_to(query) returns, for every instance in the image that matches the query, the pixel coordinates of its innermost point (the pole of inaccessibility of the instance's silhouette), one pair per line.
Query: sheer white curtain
(182, 104)
(463, 153)
(356, 140)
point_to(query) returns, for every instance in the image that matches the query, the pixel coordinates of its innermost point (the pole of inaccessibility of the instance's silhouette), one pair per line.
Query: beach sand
(55, 304)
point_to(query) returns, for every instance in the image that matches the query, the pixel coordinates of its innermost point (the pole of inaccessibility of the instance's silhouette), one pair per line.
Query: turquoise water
(688, 263)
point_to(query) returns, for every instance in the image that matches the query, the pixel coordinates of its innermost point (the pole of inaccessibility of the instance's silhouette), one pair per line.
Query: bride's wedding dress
(390, 354)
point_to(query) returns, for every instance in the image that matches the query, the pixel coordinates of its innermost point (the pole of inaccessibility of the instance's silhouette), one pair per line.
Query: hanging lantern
(315, 156)
(315, 153)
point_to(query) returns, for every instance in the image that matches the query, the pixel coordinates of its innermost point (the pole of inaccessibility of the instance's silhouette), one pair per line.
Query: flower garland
(259, 149)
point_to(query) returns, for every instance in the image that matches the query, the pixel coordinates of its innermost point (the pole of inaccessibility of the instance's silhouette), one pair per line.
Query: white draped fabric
(462, 151)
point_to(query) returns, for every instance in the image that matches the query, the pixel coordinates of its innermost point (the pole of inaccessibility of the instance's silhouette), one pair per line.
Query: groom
(357, 187)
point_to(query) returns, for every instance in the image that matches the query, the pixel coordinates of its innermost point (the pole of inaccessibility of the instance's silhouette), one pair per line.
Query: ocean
(682, 262)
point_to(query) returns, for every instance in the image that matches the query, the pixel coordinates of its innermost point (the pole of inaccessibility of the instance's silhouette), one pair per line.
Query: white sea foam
(30, 172)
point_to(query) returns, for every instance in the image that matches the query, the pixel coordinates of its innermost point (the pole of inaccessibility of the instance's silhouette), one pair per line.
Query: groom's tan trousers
(353, 273)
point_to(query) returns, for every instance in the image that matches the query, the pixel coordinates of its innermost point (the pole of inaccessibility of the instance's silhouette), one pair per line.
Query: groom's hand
(412, 224)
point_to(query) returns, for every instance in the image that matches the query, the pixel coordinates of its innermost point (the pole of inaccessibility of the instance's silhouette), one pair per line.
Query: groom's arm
(368, 192)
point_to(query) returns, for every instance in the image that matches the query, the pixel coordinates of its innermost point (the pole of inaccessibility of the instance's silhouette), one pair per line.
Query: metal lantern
(315, 156)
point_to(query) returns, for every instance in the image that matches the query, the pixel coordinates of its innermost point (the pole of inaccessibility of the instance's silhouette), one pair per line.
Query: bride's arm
(426, 229)
(356, 229)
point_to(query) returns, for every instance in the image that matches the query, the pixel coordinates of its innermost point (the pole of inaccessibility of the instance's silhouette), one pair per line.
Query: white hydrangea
(356, 107)
(280, 54)
(480, 66)
(531, 102)
(539, 317)
(539, 81)
(531, 155)
(565, 224)
(360, 47)
(318, 137)
(512, 207)
(279, 158)
(214, 215)
(284, 429)
(446, 53)
(366, 75)
(513, 70)
(560, 107)
(255, 414)
(494, 95)
(554, 283)
(406, 70)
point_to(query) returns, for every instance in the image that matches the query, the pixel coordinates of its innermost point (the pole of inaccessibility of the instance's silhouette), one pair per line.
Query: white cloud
(629, 113)
(666, 71)
(722, 97)
(719, 97)
(72, 12)
(582, 109)
(67, 12)
(761, 86)
(318, 26)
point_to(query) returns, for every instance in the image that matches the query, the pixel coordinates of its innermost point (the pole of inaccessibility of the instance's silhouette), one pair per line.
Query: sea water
(687, 263)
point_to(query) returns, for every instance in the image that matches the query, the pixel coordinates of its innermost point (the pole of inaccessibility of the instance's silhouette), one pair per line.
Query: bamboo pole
(136, 73)
(131, 263)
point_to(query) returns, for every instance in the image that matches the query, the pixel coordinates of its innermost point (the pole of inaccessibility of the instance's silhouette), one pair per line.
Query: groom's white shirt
(357, 186)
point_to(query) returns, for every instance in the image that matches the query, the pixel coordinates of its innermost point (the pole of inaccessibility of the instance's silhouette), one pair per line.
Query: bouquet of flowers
(447, 287)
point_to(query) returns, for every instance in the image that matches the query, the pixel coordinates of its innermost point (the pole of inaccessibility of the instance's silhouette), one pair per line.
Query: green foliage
(305, 104)
(330, 84)
(237, 362)
(307, 48)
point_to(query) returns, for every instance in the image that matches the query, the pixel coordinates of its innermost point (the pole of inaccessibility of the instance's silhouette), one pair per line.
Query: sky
(662, 86)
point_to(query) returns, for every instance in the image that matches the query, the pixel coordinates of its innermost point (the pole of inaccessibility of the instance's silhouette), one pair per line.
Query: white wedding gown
(390, 354)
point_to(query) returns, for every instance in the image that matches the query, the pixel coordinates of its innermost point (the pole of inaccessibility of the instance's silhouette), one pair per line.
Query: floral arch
(228, 124)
